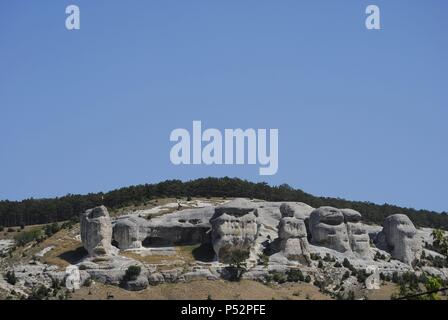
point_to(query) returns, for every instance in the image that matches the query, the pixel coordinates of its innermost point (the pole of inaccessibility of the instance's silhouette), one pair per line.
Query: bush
(51, 229)
(87, 283)
(11, 230)
(314, 256)
(362, 276)
(320, 265)
(40, 293)
(10, 277)
(308, 279)
(347, 264)
(28, 236)
(2, 228)
(295, 275)
(278, 277)
(337, 265)
(237, 264)
(132, 273)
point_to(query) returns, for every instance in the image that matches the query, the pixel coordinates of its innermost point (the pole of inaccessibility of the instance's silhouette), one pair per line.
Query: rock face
(293, 237)
(329, 230)
(340, 230)
(373, 281)
(400, 237)
(96, 231)
(73, 278)
(127, 232)
(358, 236)
(299, 210)
(186, 227)
(234, 228)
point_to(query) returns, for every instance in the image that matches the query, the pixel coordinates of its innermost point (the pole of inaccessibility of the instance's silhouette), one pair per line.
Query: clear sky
(361, 114)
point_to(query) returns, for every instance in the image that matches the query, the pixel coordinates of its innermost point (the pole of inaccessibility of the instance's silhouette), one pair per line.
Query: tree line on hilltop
(41, 211)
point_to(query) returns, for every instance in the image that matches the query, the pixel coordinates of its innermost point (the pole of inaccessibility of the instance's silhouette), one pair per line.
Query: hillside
(41, 211)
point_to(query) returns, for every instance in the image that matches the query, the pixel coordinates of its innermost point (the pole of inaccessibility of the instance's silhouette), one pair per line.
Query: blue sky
(361, 114)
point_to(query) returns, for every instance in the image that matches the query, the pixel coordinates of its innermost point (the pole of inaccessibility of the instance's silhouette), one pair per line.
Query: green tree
(237, 263)
(432, 284)
(132, 273)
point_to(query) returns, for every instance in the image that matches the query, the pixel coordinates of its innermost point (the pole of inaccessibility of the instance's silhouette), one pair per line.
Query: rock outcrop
(234, 228)
(358, 236)
(328, 229)
(399, 236)
(340, 230)
(96, 231)
(129, 232)
(186, 227)
(299, 210)
(293, 239)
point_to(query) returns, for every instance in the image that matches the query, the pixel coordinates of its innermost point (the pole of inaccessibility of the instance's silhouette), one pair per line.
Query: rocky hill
(229, 240)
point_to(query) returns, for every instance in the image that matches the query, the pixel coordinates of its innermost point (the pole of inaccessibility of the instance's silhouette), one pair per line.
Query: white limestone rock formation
(299, 210)
(96, 231)
(340, 230)
(185, 227)
(357, 234)
(293, 237)
(73, 278)
(127, 233)
(329, 230)
(400, 238)
(234, 228)
(373, 281)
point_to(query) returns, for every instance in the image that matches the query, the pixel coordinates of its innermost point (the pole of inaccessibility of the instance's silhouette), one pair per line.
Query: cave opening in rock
(115, 243)
(150, 242)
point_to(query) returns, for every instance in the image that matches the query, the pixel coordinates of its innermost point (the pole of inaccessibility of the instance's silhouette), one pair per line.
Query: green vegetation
(278, 277)
(25, 237)
(440, 243)
(39, 293)
(413, 287)
(132, 273)
(295, 275)
(10, 277)
(42, 211)
(237, 264)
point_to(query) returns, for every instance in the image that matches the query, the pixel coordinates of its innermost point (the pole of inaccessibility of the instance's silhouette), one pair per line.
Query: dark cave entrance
(151, 242)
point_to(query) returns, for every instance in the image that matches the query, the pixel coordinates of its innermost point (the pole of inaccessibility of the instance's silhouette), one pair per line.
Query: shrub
(11, 230)
(347, 264)
(132, 273)
(295, 275)
(308, 279)
(2, 228)
(362, 276)
(51, 229)
(28, 236)
(346, 275)
(314, 256)
(237, 264)
(320, 265)
(337, 265)
(264, 259)
(40, 293)
(279, 277)
(88, 282)
(10, 277)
